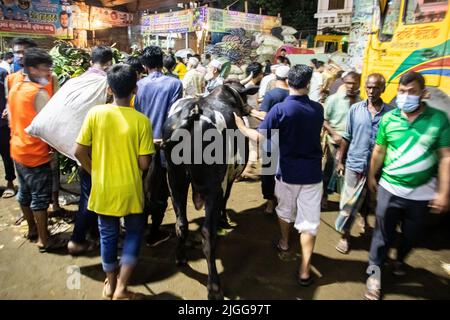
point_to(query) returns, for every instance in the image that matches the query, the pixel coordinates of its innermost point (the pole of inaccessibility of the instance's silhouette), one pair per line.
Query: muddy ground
(249, 267)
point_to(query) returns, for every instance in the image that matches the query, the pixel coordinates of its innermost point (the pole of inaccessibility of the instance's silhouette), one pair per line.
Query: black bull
(211, 182)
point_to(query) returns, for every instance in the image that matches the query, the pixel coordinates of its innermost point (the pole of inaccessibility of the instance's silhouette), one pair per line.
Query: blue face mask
(408, 103)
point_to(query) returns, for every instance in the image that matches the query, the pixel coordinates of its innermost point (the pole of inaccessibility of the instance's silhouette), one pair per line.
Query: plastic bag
(287, 30)
(59, 122)
(184, 52)
(269, 40)
(265, 50)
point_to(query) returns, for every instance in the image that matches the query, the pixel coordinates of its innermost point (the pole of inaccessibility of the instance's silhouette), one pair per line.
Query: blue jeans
(85, 219)
(109, 228)
(35, 186)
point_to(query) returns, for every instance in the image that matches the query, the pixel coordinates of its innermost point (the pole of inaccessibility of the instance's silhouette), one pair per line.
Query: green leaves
(68, 61)
(68, 167)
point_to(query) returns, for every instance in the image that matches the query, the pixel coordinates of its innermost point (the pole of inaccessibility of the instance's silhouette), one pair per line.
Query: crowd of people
(390, 160)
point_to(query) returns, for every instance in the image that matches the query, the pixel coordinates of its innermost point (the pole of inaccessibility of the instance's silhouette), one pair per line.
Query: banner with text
(177, 21)
(223, 20)
(102, 18)
(204, 18)
(36, 18)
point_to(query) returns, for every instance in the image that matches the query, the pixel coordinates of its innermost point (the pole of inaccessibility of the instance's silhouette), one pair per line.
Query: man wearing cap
(280, 92)
(194, 80)
(213, 76)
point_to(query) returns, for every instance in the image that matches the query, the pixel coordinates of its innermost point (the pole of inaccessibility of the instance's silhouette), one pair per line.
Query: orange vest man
(31, 155)
(20, 45)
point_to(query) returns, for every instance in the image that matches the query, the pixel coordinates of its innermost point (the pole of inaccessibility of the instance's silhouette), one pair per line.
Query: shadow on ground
(252, 269)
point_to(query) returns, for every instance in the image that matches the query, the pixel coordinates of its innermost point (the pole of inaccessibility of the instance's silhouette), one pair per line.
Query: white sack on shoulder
(60, 121)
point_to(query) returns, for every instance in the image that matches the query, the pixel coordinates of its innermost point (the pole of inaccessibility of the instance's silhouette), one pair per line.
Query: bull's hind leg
(225, 222)
(214, 201)
(179, 185)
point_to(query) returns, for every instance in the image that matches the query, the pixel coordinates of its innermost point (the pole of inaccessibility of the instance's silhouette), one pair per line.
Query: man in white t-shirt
(266, 80)
(315, 90)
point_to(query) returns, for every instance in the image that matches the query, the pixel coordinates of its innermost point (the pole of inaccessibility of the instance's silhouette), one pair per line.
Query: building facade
(334, 15)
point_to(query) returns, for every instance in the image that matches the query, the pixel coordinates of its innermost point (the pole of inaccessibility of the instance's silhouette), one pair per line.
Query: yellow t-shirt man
(118, 136)
(180, 70)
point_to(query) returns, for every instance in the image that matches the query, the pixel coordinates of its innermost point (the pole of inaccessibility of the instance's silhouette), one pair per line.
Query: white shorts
(299, 204)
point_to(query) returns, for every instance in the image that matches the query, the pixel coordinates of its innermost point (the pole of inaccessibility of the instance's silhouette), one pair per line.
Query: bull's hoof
(215, 295)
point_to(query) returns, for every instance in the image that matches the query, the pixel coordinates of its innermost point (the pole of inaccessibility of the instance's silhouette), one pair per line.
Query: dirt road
(248, 265)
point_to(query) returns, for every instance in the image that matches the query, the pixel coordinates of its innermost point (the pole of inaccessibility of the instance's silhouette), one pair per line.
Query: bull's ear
(250, 90)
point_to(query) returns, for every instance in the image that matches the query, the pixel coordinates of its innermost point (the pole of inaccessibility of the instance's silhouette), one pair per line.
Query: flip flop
(19, 220)
(8, 193)
(343, 246)
(276, 245)
(105, 296)
(130, 295)
(304, 282)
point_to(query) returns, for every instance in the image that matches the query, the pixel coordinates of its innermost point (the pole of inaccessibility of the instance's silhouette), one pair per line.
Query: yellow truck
(411, 35)
(329, 43)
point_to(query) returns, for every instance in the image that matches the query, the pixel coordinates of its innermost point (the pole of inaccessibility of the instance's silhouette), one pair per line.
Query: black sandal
(276, 245)
(304, 282)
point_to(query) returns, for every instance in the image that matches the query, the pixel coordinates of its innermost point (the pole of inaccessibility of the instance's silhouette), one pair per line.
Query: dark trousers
(157, 192)
(391, 210)
(268, 180)
(5, 136)
(85, 220)
(268, 186)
